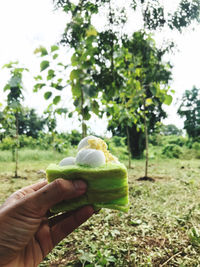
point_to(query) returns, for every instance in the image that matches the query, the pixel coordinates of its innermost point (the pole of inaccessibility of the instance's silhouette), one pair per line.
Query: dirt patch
(25, 174)
(153, 241)
(132, 178)
(69, 256)
(146, 178)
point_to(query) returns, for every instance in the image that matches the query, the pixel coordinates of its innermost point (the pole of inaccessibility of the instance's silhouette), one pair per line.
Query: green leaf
(41, 50)
(91, 32)
(70, 114)
(95, 107)
(38, 86)
(54, 48)
(86, 115)
(47, 95)
(153, 90)
(76, 74)
(38, 77)
(56, 99)
(57, 86)
(90, 90)
(51, 74)
(10, 65)
(44, 65)
(61, 111)
(60, 80)
(55, 56)
(77, 102)
(168, 100)
(7, 87)
(74, 59)
(135, 222)
(76, 90)
(149, 101)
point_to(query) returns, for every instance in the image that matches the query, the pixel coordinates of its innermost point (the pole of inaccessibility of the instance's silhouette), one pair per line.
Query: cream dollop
(84, 142)
(92, 151)
(67, 161)
(90, 157)
(92, 142)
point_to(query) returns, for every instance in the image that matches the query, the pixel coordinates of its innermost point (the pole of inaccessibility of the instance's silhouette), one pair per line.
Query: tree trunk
(13, 154)
(146, 140)
(17, 145)
(137, 142)
(129, 149)
(83, 125)
(146, 146)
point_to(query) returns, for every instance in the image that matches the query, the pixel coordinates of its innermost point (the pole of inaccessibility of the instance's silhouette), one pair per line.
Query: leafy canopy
(190, 111)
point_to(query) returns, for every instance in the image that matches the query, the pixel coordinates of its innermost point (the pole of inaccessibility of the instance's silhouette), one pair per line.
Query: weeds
(161, 229)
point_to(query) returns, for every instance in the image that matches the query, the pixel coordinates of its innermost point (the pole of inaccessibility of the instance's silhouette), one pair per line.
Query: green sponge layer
(107, 186)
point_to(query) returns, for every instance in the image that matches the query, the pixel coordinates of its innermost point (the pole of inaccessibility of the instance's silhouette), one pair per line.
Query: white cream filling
(90, 157)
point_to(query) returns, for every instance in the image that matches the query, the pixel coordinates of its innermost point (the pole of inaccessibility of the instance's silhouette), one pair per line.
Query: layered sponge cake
(105, 176)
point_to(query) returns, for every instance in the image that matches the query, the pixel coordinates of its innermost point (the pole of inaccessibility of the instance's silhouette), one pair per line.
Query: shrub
(172, 151)
(75, 137)
(176, 140)
(27, 141)
(8, 143)
(156, 139)
(117, 147)
(118, 141)
(196, 146)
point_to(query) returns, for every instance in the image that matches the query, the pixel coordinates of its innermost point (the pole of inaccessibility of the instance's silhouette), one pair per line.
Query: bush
(176, 140)
(118, 141)
(117, 147)
(196, 146)
(8, 143)
(61, 145)
(172, 151)
(27, 141)
(156, 139)
(74, 138)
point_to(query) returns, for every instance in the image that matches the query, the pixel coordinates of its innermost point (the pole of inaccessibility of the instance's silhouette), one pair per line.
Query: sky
(27, 24)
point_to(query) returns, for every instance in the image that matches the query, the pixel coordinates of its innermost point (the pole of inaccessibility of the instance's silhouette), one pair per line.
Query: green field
(162, 227)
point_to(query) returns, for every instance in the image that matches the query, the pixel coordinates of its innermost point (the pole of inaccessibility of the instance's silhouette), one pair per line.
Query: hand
(26, 234)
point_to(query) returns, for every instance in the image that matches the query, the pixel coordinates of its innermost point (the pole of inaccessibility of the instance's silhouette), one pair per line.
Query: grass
(161, 229)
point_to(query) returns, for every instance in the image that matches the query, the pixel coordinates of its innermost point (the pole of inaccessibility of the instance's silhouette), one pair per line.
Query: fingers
(31, 188)
(55, 192)
(38, 185)
(57, 218)
(67, 225)
(23, 192)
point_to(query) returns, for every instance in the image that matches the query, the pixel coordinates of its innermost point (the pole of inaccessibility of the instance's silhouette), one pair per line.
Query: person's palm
(26, 233)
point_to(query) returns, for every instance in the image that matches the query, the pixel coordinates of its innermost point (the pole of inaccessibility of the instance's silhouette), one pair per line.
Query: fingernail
(80, 185)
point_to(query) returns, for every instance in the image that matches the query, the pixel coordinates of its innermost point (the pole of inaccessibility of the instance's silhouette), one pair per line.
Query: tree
(190, 111)
(14, 103)
(29, 122)
(153, 13)
(106, 76)
(169, 129)
(145, 89)
(84, 91)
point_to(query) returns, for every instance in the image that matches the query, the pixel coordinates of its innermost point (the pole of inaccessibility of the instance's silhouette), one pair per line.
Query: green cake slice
(107, 186)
